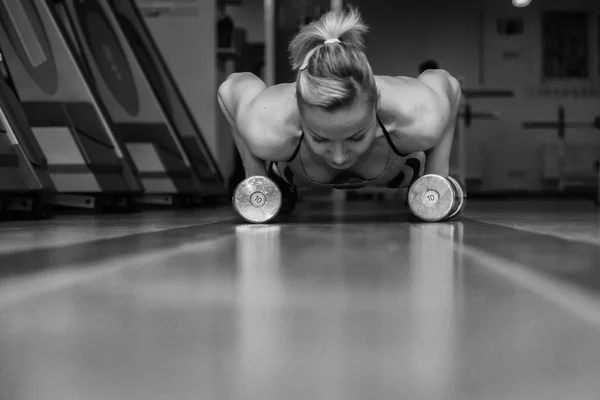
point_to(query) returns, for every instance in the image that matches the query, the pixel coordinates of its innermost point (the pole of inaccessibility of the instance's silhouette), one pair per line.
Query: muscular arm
(446, 105)
(232, 101)
(242, 101)
(422, 115)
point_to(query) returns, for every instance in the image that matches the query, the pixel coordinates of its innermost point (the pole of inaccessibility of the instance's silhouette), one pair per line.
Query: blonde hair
(332, 75)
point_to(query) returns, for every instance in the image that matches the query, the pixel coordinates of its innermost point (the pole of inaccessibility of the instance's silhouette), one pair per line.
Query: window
(598, 45)
(566, 45)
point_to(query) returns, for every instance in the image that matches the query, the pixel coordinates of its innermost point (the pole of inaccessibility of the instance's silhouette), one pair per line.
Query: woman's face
(340, 137)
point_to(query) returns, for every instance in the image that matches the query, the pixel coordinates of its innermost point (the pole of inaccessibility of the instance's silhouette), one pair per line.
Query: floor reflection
(260, 306)
(360, 305)
(435, 307)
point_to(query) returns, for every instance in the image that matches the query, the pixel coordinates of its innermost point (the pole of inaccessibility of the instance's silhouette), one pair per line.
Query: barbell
(561, 124)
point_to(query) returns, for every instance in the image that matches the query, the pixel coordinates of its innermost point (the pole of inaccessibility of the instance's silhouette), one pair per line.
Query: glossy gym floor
(347, 301)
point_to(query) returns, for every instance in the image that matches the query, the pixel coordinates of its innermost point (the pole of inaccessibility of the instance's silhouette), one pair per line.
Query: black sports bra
(385, 133)
(400, 171)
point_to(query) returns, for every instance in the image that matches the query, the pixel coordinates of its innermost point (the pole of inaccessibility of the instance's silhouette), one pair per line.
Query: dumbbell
(258, 199)
(435, 198)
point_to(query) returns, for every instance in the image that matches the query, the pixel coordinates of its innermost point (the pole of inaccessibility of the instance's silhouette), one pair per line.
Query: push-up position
(340, 126)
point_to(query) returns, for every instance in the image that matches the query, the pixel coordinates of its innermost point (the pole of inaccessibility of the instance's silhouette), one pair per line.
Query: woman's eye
(357, 139)
(319, 140)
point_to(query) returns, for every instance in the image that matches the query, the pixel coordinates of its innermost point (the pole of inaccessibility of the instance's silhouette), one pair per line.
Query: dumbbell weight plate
(432, 198)
(257, 199)
(460, 194)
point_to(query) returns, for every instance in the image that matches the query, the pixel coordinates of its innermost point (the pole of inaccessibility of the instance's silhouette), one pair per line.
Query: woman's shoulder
(414, 99)
(276, 109)
(273, 122)
(405, 109)
(396, 103)
(400, 96)
(277, 105)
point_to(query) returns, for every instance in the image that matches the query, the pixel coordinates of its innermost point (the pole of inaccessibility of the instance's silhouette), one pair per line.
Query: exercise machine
(157, 148)
(87, 165)
(136, 32)
(26, 189)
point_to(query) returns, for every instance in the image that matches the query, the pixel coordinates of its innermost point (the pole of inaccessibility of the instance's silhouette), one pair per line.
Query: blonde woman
(339, 125)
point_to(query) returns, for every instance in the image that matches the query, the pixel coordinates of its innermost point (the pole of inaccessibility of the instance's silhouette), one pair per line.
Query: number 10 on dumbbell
(257, 199)
(435, 198)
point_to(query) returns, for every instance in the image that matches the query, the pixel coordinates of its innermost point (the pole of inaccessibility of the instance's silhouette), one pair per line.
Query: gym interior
(135, 264)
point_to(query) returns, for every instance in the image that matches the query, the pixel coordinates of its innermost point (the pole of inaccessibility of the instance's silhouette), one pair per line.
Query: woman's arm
(251, 111)
(449, 94)
(234, 97)
(424, 113)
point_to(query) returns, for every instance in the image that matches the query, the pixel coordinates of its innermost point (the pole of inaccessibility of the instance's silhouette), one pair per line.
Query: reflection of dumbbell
(436, 198)
(259, 199)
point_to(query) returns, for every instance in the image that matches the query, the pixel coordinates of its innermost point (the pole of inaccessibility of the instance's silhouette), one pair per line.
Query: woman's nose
(339, 155)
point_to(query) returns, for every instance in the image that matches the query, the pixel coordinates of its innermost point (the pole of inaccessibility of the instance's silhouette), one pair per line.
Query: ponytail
(328, 55)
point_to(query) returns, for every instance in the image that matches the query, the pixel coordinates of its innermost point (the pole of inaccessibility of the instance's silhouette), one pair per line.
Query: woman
(339, 125)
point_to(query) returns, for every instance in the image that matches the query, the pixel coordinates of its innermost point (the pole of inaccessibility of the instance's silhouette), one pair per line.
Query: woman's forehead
(344, 121)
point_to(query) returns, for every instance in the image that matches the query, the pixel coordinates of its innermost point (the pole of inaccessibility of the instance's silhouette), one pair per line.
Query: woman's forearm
(252, 165)
(438, 157)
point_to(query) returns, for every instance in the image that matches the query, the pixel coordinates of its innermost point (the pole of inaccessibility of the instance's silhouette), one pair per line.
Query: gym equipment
(85, 160)
(167, 92)
(257, 199)
(462, 197)
(468, 115)
(465, 120)
(487, 93)
(4, 75)
(25, 185)
(561, 125)
(434, 198)
(132, 91)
